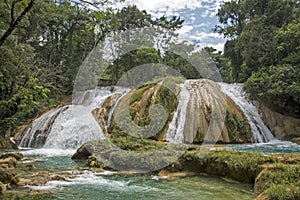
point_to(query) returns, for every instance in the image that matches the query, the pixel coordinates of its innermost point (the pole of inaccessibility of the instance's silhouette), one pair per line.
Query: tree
(15, 17)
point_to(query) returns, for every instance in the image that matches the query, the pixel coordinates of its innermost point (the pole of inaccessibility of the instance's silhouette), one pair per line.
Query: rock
(96, 169)
(30, 166)
(10, 161)
(18, 156)
(296, 140)
(6, 175)
(283, 127)
(21, 182)
(82, 152)
(102, 114)
(6, 166)
(2, 188)
(58, 178)
(31, 160)
(261, 197)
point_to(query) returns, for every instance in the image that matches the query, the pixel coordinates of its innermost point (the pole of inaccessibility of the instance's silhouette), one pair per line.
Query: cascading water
(260, 131)
(176, 127)
(70, 126)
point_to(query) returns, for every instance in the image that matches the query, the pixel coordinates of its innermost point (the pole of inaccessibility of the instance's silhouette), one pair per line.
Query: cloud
(166, 5)
(199, 16)
(202, 36)
(185, 29)
(193, 19)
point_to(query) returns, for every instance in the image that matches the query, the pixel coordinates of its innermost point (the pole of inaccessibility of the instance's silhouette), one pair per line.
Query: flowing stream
(109, 186)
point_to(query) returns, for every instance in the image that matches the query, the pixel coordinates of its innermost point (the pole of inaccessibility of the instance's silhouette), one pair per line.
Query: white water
(260, 131)
(70, 126)
(91, 178)
(176, 127)
(112, 110)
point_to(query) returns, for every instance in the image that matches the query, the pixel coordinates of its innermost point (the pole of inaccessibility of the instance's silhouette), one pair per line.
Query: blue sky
(199, 15)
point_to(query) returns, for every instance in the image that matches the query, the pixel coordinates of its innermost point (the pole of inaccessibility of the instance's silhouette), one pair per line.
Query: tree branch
(14, 23)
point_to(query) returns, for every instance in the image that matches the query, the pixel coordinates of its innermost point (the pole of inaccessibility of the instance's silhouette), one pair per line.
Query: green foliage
(41, 56)
(280, 181)
(263, 49)
(283, 192)
(238, 129)
(278, 86)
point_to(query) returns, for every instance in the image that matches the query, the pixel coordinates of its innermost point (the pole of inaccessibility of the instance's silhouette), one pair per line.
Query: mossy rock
(275, 176)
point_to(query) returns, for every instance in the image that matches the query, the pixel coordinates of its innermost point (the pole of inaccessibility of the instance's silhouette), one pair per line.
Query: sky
(199, 17)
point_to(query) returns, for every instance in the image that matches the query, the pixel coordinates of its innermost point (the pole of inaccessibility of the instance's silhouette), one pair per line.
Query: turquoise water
(90, 185)
(267, 148)
(107, 186)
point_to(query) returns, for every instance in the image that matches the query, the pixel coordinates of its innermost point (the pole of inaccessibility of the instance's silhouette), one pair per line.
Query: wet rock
(82, 153)
(58, 178)
(18, 156)
(96, 169)
(31, 160)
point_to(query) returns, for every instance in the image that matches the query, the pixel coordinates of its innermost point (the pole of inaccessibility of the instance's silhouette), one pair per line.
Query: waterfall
(70, 126)
(176, 127)
(260, 131)
(112, 110)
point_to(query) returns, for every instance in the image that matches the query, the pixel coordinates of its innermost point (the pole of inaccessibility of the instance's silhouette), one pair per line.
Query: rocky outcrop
(212, 116)
(283, 127)
(207, 110)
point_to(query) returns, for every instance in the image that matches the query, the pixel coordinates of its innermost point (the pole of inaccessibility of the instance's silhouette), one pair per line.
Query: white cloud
(201, 36)
(205, 14)
(200, 15)
(185, 29)
(193, 19)
(219, 46)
